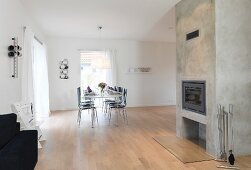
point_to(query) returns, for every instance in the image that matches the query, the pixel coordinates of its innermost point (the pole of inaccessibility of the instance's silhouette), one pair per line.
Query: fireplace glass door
(193, 96)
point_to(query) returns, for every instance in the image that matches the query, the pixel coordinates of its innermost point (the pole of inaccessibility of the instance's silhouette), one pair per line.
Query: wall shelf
(139, 70)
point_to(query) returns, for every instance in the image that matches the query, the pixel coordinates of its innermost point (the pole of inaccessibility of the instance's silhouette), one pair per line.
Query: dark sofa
(18, 149)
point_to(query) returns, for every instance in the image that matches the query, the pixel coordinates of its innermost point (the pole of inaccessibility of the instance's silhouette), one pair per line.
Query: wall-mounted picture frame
(64, 69)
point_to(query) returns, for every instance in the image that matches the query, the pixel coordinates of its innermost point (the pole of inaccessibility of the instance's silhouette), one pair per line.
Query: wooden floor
(108, 147)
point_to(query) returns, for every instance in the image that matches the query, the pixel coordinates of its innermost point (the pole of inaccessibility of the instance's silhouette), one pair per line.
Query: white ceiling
(145, 20)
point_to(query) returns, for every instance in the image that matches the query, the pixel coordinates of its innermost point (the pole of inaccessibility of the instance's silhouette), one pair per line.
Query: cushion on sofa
(8, 128)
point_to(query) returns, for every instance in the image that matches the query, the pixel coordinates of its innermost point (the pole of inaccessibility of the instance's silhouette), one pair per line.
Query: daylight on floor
(125, 84)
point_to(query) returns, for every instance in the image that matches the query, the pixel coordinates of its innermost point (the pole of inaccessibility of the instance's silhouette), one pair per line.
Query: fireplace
(194, 96)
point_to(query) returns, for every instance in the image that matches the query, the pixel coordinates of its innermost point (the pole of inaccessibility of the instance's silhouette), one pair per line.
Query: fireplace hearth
(194, 96)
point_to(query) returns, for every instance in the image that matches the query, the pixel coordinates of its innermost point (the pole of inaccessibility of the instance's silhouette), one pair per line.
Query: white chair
(27, 119)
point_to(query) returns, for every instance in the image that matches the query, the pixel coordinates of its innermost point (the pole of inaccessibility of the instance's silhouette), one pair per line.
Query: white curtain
(35, 86)
(40, 81)
(27, 69)
(111, 72)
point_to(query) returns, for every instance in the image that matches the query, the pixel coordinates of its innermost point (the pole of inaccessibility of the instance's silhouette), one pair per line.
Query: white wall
(12, 19)
(157, 88)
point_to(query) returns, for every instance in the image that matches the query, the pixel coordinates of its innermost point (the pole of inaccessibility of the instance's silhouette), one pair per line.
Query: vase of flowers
(102, 86)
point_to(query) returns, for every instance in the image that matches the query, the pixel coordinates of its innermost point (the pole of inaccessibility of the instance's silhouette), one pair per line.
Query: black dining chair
(86, 100)
(121, 105)
(109, 101)
(86, 105)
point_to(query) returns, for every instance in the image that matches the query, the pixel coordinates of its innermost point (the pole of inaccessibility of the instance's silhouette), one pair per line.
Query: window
(95, 68)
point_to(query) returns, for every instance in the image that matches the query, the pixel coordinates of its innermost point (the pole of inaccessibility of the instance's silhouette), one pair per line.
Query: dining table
(108, 94)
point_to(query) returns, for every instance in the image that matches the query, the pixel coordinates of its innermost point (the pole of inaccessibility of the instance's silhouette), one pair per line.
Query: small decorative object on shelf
(140, 70)
(14, 51)
(102, 86)
(89, 90)
(64, 66)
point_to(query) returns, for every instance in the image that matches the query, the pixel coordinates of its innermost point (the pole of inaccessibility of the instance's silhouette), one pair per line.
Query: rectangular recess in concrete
(195, 132)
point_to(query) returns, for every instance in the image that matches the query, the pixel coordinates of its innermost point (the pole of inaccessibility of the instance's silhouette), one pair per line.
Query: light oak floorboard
(107, 147)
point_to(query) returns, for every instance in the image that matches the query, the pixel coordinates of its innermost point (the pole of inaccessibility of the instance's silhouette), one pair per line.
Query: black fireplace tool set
(226, 132)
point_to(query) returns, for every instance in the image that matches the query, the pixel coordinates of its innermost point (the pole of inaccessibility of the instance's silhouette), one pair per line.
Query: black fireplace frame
(191, 107)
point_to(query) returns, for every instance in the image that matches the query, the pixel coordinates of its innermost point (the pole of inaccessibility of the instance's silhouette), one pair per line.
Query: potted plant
(102, 86)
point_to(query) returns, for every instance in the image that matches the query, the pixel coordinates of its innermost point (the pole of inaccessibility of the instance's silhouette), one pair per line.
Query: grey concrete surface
(222, 57)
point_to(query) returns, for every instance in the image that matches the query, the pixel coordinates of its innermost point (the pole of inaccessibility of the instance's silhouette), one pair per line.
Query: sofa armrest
(23, 150)
(24, 141)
